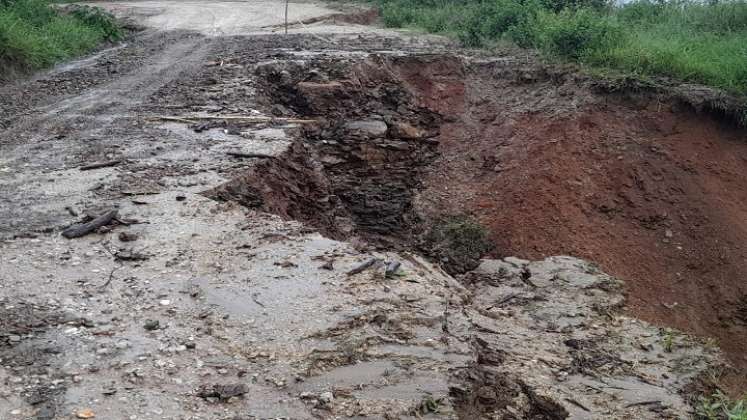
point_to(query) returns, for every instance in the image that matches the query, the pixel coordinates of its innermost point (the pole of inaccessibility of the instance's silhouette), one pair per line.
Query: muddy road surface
(215, 220)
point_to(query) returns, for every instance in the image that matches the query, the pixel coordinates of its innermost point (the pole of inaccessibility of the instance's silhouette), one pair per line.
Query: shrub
(459, 242)
(573, 33)
(95, 17)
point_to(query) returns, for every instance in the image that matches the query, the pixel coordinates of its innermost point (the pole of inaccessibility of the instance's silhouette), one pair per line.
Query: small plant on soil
(428, 405)
(458, 242)
(719, 407)
(667, 341)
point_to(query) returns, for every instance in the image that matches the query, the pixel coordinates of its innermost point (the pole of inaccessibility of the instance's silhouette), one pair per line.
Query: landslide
(644, 184)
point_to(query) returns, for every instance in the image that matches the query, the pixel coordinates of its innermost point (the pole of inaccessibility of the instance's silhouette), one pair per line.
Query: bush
(95, 17)
(688, 40)
(573, 33)
(458, 242)
(558, 5)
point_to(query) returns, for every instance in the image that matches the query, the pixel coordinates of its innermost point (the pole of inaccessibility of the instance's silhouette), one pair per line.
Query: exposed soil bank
(644, 186)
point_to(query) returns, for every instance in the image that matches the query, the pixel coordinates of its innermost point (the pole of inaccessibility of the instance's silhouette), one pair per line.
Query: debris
(144, 192)
(152, 324)
(109, 391)
(98, 165)
(181, 197)
(86, 228)
(130, 255)
(635, 404)
(111, 277)
(191, 119)
(127, 237)
(285, 264)
(327, 265)
(392, 268)
(256, 300)
(363, 266)
(86, 413)
(221, 392)
(326, 398)
(250, 155)
(577, 404)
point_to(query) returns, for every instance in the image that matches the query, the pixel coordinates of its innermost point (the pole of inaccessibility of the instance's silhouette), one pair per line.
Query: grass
(719, 407)
(696, 42)
(33, 35)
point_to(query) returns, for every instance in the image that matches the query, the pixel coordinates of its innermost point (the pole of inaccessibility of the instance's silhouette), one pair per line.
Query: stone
(151, 324)
(372, 128)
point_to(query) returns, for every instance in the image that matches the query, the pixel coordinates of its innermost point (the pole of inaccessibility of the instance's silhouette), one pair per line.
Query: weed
(719, 407)
(428, 405)
(667, 341)
(459, 242)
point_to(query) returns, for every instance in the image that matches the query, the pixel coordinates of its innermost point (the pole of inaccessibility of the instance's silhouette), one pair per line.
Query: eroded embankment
(357, 171)
(641, 185)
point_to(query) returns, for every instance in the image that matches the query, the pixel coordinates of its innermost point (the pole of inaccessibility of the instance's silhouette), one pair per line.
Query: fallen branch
(635, 404)
(363, 266)
(86, 228)
(392, 268)
(98, 165)
(250, 155)
(577, 404)
(190, 119)
(111, 277)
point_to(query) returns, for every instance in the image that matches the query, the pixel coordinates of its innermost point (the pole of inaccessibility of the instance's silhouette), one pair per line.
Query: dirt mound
(643, 186)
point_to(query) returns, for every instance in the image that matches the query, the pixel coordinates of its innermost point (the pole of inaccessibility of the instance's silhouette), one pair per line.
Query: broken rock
(372, 128)
(221, 392)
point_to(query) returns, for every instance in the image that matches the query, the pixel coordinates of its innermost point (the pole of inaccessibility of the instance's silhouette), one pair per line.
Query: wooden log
(86, 228)
(250, 155)
(239, 118)
(363, 266)
(392, 268)
(98, 165)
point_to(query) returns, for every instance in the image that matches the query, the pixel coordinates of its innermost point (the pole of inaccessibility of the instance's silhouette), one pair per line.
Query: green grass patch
(681, 39)
(719, 407)
(34, 35)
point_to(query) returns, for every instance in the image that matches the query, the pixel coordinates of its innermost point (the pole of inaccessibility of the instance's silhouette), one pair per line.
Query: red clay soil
(653, 194)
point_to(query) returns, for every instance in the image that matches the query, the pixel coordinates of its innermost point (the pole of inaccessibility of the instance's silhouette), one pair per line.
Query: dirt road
(204, 299)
